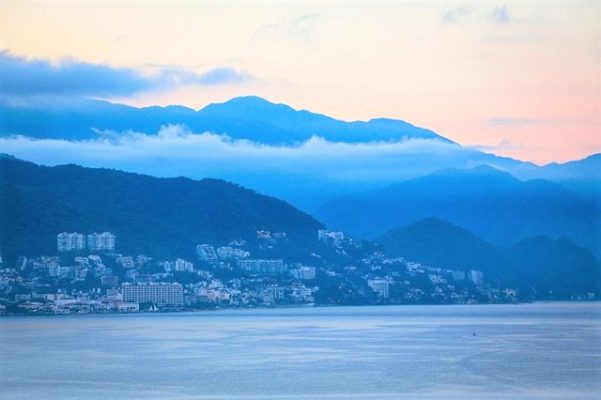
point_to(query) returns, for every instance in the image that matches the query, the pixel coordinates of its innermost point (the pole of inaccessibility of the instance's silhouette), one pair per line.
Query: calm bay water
(528, 351)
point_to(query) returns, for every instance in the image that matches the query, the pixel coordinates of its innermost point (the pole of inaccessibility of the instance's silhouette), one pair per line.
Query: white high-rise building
(303, 273)
(380, 286)
(262, 267)
(70, 242)
(206, 252)
(104, 241)
(334, 239)
(161, 294)
(228, 252)
(476, 277)
(182, 265)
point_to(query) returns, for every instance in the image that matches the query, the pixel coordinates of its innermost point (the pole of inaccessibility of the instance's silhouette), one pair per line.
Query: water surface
(529, 351)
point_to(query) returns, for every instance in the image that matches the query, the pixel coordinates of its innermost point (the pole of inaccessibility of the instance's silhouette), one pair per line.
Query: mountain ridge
(497, 207)
(167, 215)
(539, 264)
(245, 117)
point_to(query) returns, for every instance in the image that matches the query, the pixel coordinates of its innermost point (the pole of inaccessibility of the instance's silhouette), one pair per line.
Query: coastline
(289, 307)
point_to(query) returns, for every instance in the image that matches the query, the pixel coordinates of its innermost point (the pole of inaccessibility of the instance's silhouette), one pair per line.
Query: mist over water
(528, 351)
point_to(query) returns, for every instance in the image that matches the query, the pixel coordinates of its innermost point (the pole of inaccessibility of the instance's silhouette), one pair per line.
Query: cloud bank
(475, 13)
(177, 143)
(300, 28)
(20, 76)
(283, 171)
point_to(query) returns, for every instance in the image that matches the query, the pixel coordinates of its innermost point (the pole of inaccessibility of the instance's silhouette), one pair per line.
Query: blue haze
(302, 157)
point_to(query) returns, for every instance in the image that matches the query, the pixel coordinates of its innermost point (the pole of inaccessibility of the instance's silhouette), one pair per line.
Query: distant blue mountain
(490, 203)
(166, 217)
(251, 118)
(307, 183)
(540, 267)
(582, 176)
(436, 242)
(590, 165)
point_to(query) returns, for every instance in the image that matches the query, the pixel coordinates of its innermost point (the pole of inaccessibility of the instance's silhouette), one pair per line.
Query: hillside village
(88, 275)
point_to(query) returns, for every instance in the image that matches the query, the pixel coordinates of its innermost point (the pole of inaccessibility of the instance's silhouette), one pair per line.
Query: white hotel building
(104, 241)
(161, 294)
(70, 242)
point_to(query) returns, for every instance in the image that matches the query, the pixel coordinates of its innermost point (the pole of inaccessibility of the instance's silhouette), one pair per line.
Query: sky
(515, 78)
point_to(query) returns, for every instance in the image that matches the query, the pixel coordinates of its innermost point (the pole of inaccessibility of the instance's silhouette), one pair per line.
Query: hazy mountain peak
(593, 159)
(388, 121)
(247, 117)
(247, 103)
(479, 171)
(434, 222)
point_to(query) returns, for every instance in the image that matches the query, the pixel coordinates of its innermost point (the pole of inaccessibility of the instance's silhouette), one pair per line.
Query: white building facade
(104, 241)
(70, 242)
(380, 286)
(161, 294)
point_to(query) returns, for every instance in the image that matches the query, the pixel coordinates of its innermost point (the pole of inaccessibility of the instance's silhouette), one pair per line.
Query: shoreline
(287, 307)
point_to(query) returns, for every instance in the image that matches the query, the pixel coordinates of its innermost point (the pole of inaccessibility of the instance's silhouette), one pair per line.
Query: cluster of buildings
(476, 277)
(179, 265)
(262, 266)
(303, 272)
(95, 242)
(268, 240)
(335, 239)
(86, 275)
